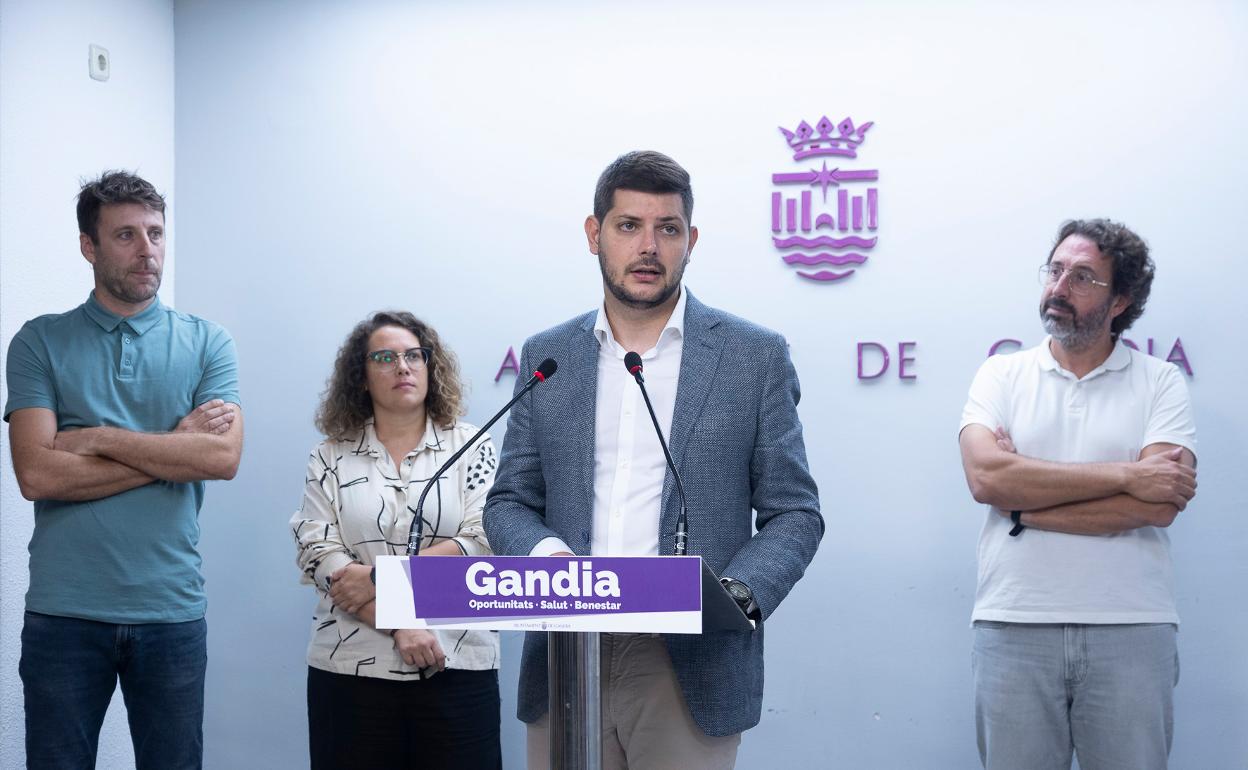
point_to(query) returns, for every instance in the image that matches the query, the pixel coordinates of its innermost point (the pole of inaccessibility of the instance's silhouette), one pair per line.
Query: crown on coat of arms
(844, 142)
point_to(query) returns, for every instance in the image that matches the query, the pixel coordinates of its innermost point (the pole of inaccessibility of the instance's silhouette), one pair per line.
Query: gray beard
(1079, 333)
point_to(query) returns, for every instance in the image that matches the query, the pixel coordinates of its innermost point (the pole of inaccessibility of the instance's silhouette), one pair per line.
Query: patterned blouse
(357, 506)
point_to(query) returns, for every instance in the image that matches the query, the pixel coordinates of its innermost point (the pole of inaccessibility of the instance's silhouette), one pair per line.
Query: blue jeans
(70, 667)
(1102, 692)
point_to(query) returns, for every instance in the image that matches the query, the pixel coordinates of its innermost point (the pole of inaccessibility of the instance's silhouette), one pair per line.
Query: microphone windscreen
(632, 362)
(547, 368)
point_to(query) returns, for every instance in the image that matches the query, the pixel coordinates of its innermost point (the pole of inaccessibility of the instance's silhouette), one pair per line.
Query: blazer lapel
(698, 363)
(583, 351)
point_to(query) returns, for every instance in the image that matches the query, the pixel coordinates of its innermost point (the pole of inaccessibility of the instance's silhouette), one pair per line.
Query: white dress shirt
(629, 466)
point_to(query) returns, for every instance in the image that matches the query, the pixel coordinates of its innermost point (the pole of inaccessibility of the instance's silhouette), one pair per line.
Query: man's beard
(115, 283)
(1075, 333)
(618, 290)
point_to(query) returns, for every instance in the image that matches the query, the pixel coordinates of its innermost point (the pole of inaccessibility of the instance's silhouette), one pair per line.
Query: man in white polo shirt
(1083, 450)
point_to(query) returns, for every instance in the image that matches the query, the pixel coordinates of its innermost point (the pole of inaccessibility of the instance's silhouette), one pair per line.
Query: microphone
(545, 371)
(632, 362)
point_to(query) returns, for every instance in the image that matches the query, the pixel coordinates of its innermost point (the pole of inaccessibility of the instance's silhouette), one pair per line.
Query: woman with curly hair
(407, 698)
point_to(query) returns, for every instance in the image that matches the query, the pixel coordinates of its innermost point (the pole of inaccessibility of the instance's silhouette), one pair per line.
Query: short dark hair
(114, 187)
(644, 171)
(1132, 267)
(345, 405)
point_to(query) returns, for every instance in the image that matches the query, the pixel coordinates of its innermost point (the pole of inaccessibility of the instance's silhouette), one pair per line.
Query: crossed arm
(90, 463)
(1078, 498)
(328, 564)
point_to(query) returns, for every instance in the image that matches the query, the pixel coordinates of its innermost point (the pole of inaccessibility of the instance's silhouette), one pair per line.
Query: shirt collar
(675, 324)
(140, 322)
(1119, 359)
(432, 439)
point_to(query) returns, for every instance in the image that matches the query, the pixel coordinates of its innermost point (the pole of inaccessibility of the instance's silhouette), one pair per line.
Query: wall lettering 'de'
(840, 240)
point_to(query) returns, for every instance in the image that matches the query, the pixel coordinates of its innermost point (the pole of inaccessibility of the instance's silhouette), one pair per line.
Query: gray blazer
(738, 443)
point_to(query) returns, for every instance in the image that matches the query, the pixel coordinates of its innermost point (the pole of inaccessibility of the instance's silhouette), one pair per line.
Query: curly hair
(113, 187)
(346, 405)
(1133, 268)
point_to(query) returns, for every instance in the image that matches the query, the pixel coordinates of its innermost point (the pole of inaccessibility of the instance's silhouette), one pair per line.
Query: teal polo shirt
(131, 557)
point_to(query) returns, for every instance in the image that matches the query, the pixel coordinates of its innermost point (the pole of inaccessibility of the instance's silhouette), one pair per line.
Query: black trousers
(450, 720)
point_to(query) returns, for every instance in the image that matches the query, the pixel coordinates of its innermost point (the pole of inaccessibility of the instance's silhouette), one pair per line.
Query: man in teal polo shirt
(118, 411)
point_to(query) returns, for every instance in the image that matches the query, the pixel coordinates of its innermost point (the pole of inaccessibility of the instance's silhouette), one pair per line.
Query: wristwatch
(743, 596)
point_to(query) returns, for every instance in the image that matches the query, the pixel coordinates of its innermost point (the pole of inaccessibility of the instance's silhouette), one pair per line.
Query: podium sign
(647, 594)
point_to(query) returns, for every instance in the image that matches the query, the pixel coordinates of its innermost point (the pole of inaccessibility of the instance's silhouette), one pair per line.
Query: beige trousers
(646, 724)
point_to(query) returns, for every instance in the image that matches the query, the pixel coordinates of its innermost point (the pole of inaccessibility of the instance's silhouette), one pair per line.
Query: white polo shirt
(1129, 402)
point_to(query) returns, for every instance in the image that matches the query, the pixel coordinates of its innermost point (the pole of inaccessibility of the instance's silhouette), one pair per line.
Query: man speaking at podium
(582, 472)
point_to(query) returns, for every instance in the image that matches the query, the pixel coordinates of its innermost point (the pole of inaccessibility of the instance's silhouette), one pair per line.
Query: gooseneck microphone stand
(632, 362)
(416, 531)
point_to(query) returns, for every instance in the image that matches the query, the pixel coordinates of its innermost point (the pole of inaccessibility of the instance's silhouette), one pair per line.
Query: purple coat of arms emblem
(841, 240)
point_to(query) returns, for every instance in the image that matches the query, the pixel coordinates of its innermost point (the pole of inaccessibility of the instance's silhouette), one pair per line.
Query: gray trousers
(1102, 692)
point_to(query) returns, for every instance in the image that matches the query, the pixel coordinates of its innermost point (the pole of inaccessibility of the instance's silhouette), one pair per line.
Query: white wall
(334, 158)
(56, 127)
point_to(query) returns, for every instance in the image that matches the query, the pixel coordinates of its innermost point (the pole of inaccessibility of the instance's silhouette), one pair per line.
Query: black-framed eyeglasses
(1080, 280)
(415, 358)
